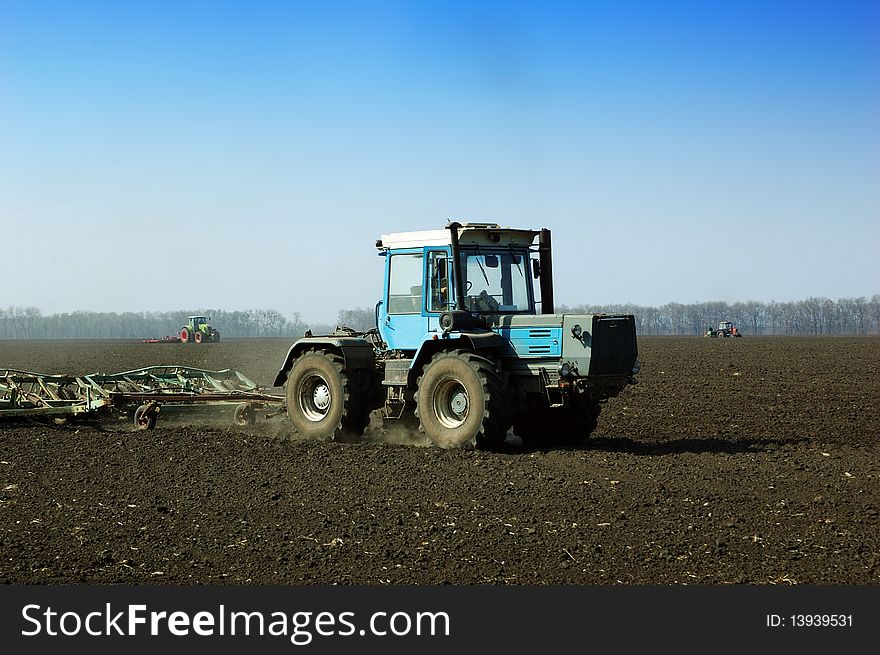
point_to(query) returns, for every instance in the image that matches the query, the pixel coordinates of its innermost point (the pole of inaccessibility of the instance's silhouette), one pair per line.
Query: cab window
(438, 281)
(405, 284)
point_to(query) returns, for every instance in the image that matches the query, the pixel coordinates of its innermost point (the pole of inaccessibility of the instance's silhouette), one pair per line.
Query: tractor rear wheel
(462, 401)
(324, 400)
(184, 335)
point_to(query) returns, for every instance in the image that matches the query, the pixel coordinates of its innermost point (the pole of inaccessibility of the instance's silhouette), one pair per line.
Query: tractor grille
(533, 341)
(540, 334)
(614, 347)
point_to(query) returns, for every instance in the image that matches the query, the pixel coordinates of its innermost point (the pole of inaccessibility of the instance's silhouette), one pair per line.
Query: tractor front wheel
(462, 401)
(324, 400)
(200, 336)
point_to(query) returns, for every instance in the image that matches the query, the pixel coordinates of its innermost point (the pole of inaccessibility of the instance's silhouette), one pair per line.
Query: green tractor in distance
(198, 331)
(725, 329)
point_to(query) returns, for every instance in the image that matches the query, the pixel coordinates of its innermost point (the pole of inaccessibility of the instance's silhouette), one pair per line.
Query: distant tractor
(725, 329)
(459, 350)
(198, 331)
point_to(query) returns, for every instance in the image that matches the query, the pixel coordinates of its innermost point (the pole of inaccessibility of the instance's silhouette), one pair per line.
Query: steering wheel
(483, 303)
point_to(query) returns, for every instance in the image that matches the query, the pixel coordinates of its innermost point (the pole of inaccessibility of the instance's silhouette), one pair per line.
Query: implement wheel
(145, 417)
(462, 401)
(244, 415)
(324, 400)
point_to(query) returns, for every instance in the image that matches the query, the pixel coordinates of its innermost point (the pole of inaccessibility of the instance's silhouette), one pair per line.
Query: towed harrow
(139, 394)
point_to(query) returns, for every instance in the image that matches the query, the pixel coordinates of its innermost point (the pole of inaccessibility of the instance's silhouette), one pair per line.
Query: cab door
(404, 322)
(438, 295)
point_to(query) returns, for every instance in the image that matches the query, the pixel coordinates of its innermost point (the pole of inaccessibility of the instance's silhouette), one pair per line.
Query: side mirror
(536, 268)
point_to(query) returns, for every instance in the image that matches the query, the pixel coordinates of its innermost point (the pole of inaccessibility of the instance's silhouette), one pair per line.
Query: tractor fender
(356, 353)
(482, 340)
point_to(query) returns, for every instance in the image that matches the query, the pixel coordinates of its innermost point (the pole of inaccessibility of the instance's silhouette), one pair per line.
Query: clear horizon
(190, 154)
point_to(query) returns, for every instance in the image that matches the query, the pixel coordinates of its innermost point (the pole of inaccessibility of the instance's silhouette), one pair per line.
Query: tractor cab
(480, 269)
(197, 321)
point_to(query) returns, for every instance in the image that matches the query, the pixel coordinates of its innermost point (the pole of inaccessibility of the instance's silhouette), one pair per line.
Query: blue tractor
(460, 350)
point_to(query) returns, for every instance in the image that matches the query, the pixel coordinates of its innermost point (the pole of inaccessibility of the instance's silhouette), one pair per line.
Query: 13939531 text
(809, 621)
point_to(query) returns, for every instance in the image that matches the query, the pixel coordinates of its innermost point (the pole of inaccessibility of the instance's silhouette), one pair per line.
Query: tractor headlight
(564, 370)
(637, 367)
(576, 331)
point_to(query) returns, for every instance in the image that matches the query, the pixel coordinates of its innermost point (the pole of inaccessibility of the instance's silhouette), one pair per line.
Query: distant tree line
(30, 323)
(813, 316)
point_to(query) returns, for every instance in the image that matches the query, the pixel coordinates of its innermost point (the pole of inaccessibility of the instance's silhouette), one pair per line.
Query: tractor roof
(483, 234)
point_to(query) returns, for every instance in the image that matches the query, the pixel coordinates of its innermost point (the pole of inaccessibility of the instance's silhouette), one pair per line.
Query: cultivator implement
(24, 393)
(165, 339)
(141, 394)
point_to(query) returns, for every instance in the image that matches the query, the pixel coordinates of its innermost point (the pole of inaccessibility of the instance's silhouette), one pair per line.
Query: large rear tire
(462, 401)
(324, 400)
(184, 335)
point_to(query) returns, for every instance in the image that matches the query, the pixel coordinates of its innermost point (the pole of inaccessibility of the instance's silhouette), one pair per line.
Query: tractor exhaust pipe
(458, 276)
(545, 256)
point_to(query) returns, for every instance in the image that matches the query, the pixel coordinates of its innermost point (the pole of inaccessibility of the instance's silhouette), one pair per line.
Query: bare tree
(357, 319)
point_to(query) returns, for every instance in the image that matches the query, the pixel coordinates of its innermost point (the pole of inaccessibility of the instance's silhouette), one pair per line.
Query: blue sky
(164, 155)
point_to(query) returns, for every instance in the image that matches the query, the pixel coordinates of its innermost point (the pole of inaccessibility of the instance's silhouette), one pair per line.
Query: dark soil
(752, 460)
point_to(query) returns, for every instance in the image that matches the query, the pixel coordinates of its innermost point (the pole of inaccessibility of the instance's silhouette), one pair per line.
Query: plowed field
(752, 460)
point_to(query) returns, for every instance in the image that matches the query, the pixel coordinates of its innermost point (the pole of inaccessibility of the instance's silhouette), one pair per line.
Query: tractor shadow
(696, 445)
